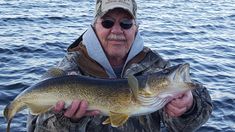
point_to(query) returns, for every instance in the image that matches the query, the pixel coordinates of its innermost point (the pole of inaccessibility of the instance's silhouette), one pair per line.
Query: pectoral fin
(36, 109)
(116, 119)
(134, 85)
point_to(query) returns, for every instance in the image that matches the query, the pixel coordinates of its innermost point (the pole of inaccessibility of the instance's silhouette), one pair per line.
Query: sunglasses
(125, 23)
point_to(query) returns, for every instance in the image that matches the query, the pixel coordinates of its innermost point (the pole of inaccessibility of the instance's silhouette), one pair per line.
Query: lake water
(34, 35)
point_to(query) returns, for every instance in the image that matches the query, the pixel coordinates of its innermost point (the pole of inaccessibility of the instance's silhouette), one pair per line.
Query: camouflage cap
(103, 6)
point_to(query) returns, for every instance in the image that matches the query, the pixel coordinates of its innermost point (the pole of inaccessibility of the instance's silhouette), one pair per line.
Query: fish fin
(193, 85)
(118, 119)
(54, 72)
(9, 125)
(36, 109)
(107, 121)
(134, 85)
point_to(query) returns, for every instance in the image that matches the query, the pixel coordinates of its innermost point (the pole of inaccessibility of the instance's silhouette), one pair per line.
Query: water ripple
(35, 34)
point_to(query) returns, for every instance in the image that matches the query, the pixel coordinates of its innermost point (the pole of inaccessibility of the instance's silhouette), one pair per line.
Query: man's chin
(115, 54)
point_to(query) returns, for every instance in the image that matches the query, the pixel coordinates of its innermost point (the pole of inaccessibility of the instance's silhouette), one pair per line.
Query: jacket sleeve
(193, 118)
(69, 63)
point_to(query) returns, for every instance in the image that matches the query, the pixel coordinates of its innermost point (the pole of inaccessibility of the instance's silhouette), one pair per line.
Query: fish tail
(10, 110)
(7, 111)
(8, 125)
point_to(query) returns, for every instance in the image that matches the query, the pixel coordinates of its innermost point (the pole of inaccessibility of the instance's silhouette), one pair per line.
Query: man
(113, 48)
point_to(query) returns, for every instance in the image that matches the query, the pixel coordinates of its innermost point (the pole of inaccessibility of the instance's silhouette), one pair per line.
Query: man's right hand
(76, 110)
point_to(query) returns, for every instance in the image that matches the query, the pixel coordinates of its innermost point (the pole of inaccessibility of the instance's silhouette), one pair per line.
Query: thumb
(59, 106)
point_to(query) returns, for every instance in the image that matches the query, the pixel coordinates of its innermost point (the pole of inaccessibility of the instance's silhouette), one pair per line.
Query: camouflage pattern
(102, 3)
(155, 122)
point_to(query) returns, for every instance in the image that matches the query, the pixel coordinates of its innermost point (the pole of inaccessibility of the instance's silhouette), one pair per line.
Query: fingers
(179, 102)
(78, 109)
(174, 111)
(183, 100)
(92, 113)
(81, 110)
(180, 105)
(59, 106)
(72, 109)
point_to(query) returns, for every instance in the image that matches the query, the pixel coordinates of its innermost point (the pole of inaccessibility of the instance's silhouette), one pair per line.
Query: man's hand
(179, 105)
(76, 110)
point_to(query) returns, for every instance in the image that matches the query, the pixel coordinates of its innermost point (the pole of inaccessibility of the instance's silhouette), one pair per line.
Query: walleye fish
(116, 98)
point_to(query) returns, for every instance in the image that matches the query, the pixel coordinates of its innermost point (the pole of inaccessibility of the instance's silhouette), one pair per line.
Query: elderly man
(113, 48)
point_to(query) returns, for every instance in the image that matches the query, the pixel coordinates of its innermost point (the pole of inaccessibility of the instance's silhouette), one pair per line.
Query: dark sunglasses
(125, 23)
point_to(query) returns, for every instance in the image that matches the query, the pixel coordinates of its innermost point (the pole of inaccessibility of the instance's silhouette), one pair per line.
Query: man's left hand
(179, 105)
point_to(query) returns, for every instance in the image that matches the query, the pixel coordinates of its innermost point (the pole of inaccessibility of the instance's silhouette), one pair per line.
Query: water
(34, 36)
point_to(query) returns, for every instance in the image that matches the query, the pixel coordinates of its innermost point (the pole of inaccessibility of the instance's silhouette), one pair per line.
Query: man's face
(115, 40)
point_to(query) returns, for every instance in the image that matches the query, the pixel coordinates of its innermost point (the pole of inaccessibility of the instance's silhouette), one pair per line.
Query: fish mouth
(182, 73)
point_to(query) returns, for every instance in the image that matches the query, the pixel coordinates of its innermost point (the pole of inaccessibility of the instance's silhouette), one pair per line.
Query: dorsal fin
(54, 72)
(134, 85)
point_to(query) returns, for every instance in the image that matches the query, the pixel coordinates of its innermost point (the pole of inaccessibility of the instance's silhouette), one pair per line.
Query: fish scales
(101, 94)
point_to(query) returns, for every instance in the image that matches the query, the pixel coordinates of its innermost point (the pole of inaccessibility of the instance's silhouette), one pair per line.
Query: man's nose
(117, 28)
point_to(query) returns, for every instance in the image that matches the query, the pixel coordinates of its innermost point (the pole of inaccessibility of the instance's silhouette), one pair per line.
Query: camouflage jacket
(147, 61)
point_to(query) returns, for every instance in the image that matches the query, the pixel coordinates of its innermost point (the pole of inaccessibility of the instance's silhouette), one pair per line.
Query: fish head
(179, 73)
(172, 79)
